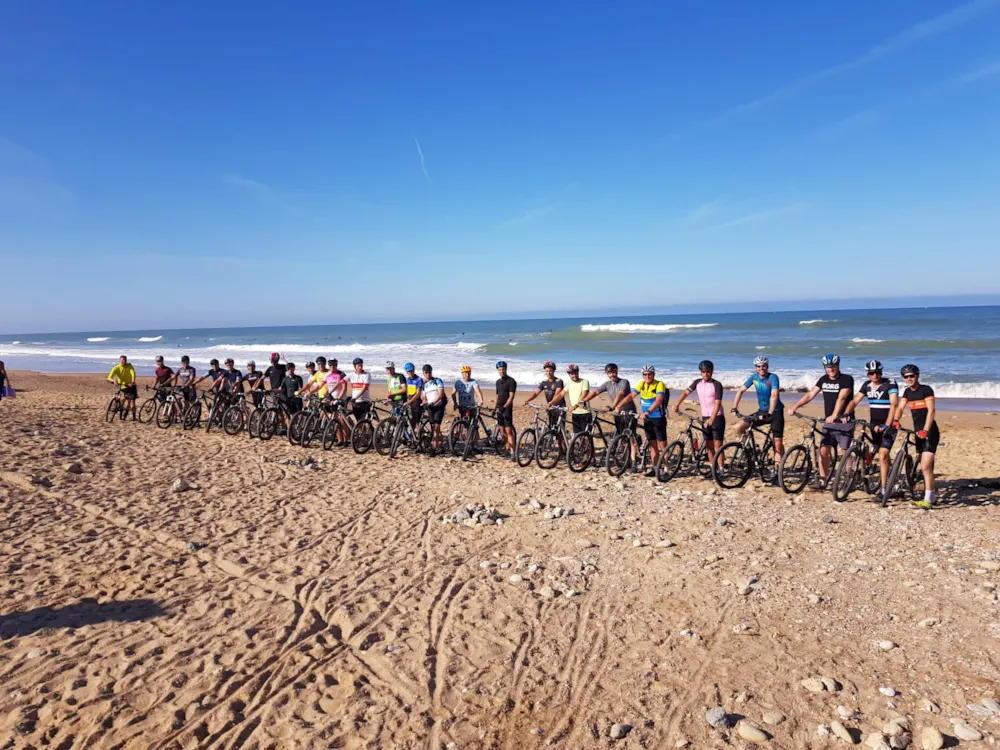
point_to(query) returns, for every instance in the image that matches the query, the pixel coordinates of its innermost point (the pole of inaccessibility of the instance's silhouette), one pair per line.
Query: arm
(842, 398)
(899, 412)
(680, 400)
(657, 403)
(510, 399)
(806, 398)
(717, 409)
(739, 395)
(931, 411)
(893, 406)
(620, 400)
(775, 395)
(533, 396)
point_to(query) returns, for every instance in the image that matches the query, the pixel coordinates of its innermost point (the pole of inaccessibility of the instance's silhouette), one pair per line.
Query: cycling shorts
(839, 434)
(466, 411)
(130, 391)
(580, 422)
(416, 411)
(553, 417)
(884, 438)
(505, 416)
(361, 409)
(435, 412)
(929, 444)
(294, 404)
(656, 428)
(716, 429)
(776, 420)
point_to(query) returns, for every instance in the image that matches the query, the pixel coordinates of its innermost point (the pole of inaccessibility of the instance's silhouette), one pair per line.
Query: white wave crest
(149, 339)
(868, 341)
(817, 321)
(14, 343)
(640, 327)
(97, 339)
(397, 349)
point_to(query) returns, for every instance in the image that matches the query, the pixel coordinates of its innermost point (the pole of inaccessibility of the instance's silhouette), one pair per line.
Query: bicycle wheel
(329, 437)
(915, 481)
(253, 424)
(296, 426)
(165, 414)
(847, 475)
(192, 415)
(361, 436)
(872, 476)
(526, 445)
(114, 406)
(765, 465)
(580, 453)
(425, 440)
(702, 464)
(310, 429)
(549, 450)
(382, 439)
(669, 462)
(619, 455)
(732, 466)
(148, 410)
(498, 442)
(894, 482)
(795, 469)
(269, 423)
(232, 420)
(457, 436)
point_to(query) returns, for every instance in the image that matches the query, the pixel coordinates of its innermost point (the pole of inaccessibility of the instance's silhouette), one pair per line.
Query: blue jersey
(764, 387)
(466, 391)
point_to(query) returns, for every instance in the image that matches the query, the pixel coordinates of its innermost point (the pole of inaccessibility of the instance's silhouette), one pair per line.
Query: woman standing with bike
(920, 399)
(709, 392)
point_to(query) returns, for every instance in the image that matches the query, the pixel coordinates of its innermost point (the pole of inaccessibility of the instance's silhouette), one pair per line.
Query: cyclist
(414, 384)
(230, 382)
(920, 399)
(576, 390)
(467, 395)
(164, 376)
(185, 377)
(838, 391)
(336, 389)
(317, 378)
(619, 392)
(4, 381)
(713, 419)
(124, 375)
(291, 384)
(883, 398)
(506, 389)
(254, 378)
(212, 375)
(395, 385)
(653, 397)
(308, 378)
(360, 381)
(435, 400)
(275, 373)
(770, 409)
(553, 389)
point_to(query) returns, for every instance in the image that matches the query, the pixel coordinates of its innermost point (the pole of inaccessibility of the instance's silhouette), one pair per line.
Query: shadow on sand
(84, 612)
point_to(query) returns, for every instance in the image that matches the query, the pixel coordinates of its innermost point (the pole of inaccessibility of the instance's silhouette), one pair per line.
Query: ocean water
(957, 349)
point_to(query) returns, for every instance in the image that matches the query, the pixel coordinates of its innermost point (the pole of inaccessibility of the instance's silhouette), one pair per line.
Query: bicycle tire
(766, 468)
(269, 423)
(580, 452)
(329, 436)
(549, 450)
(232, 420)
(211, 415)
(192, 416)
(397, 436)
(253, 424)
(147, 412)
(895, 476)
(872, 477)
(165, 414)
(846, 477)
(498, 441)
(362, 435)
(915, 479)
(702, 464)
(526, 445)
(425, 439)
(457, 435)
(795, 470)
(295, 427)
(669, 462)
(619, 455)
(309, 430)
(114, 406)
(382, 438)
(732, 466)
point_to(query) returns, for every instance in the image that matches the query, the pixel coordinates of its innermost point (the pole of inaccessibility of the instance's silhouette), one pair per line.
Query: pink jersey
(335, 383)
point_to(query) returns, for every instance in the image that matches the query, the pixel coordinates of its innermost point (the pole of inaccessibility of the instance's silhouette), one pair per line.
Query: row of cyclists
(428, 392)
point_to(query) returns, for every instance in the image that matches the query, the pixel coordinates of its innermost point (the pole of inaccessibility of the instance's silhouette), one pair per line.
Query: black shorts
(130, 391)
(928, 444)
(622, 421)
(716, 429)
(839, 434)
(505, 416)
(416, 411)
(466, 411)
(258, 398)
(435, 412)
(190, 393)
(884, 438)
(553, 417)
(294, 404)
(361, 409)
(656, 428)
(776, 420)
(580, 422)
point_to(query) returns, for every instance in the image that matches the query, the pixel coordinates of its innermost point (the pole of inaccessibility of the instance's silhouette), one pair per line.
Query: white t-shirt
(433, 389)
(358, 383)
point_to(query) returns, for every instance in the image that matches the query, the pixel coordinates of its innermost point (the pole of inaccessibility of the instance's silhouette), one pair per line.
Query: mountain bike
(222, 401)
(237, 415)
(859, 467)
(672, 458)
(905, 474)
(385, 430)
(735, 461)
(799, 461)
(303, 419)
(625, 441)
(116, 407)
(192, 414)
(339, 419)
(363, 433)
(527, 443)
(268, 400)
(171, 411)
(419, 438)
(583, 452)
(553, 441)
(472, 434)
(147, 412)
(276, 415)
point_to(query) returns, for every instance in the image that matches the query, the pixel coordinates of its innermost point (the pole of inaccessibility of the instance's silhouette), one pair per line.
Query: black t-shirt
(233, 382)
(213, 374)
(253, 377)
(163, 374)
(831, 388)
(878, 398)
(276, 375)
(290, 384)
(916, 398)
(505, 387)
(549, 388)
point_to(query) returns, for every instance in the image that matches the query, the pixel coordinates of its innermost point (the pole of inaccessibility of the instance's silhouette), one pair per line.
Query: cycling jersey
(615, 387)
(764, 387)
(413, 385)
(878, 398)
(709, 393)
(396, 385)
(212, 375)
(186, 375)
(575, 390)
(163, 374)
(276, 375)
(253, 377)
(648, 392)
(466, 392)
(359, 386)
(233, 382)
(291, 384)
(549, 388)
(319, 378)
(831, 388)
(125, 374)
(433, 390)
(916, 399)
(333, 380)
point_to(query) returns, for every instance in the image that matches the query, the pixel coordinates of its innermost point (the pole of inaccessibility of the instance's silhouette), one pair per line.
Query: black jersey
(831, 388)
(878, 395)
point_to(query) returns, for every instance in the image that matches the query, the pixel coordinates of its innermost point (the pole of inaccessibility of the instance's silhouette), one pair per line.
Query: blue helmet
(831, 359)
(408, 367)
(500, 364)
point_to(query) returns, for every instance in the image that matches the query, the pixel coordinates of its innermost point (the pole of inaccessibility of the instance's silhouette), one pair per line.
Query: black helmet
(610, 367)
(706, 366)
(874, 366)
(427, 368)
(214, 363)
(320, 361)
(310, 364)
(909, 370)
(358, 361)
(185, 359)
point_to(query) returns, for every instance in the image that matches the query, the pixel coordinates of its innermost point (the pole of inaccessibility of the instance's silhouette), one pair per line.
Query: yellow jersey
(125, 374)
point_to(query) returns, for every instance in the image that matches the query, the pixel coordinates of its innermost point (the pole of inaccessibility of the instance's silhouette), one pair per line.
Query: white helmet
(759, 360)
(390, 365)
(648, 369)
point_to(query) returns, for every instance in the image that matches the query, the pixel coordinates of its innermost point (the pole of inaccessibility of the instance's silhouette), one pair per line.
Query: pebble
(640, 543)
(584, 544)
(813, 685)
(841, 733)
(964, 732)
(822, 730)
(929, 622)
(980, 710)
(929, 706)
(900, 743)
(814, 598)
(888, 692)
(73, 468)
(537, 731)
(845, 713)
(516, 578)
(180, 485)
(877, 742)
(487, 564)
(897, 727)
(717, 717)
(931, 739)
(830, 684)
(546, 592)
(990, 565)
(753, 734)
(991, 704)
(664, 544)
(35, 653)
(723, 522)
(619, 731)
(887, 645)
(773, 718)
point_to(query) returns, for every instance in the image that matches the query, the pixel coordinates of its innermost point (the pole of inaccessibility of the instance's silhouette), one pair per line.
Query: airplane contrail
(423, 166)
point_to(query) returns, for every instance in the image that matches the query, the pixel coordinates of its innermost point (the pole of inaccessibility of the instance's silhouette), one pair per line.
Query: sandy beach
(279, 604)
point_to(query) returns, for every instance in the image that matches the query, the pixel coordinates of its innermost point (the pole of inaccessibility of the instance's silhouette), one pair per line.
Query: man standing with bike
(506, 389)
(883, 398)
(123, 374)
(254, 378)
(291, 384)
(920, 399)
(553, 388)
(414, 386)
(467, 395)
(577, 390)
(770, 409)
(395, 384)
(653, 397)
(838, 390)
(360, 381)
(185, 378)
(213, 375)
(713, 419)
(275, 373)
(435, 401)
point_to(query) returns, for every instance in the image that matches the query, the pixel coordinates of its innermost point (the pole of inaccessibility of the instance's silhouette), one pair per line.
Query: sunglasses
(909, 377)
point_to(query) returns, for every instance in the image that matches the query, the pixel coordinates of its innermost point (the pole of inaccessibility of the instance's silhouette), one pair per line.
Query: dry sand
(275, 606)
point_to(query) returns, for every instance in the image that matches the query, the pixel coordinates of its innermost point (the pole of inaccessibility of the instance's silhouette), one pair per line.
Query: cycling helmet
(321, 360)
(185, 359)
(760, 360)
(706, 365)
(572, 368)
(648, 369)
(874, 366)
(214, 363)
(251, 363)
(230, 361)
(909, 370)
(408, 367)
(466, 368)
(358, 361)
(275, 356)
(610, 367)
(290, 366)
(310, 364)
(426, 368)
(831, 359)
(390, 365)
(500, 364)
(549, 364)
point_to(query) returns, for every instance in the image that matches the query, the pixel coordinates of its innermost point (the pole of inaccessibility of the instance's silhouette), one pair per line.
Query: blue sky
(188, 164)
